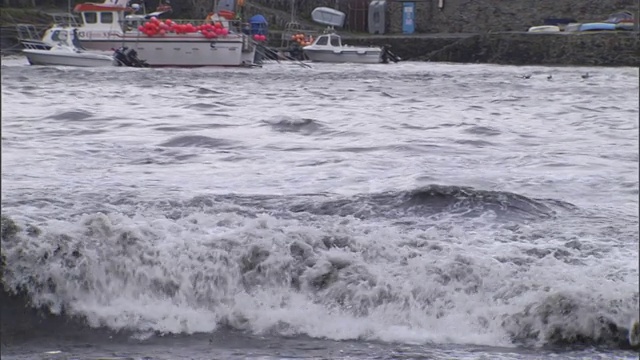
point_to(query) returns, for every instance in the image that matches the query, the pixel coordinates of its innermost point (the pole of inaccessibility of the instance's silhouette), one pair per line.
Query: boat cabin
(108, 15)
(332, 40)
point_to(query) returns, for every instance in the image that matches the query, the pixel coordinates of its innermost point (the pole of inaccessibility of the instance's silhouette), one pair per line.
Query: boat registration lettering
(91, 34)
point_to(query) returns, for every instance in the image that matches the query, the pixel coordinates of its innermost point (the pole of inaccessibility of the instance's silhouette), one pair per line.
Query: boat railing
(27, 32)
(37, 45)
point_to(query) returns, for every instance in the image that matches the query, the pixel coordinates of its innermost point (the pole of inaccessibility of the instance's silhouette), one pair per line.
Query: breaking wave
(319, 266)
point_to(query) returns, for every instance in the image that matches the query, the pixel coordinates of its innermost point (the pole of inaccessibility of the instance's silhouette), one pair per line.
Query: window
(322, 40)
(90, 18)
(106, 17)
(59, 35)
(335, 41)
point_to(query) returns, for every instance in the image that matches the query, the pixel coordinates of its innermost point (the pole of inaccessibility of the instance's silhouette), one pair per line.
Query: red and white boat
(216, 41)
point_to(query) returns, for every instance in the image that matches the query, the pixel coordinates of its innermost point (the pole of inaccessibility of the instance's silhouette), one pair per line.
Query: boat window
(106, 17)
(55, 36)
(335, 41)
(90, 18)
(322, 40)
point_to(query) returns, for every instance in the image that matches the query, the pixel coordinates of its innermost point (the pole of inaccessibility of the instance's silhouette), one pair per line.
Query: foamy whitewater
(414, 210)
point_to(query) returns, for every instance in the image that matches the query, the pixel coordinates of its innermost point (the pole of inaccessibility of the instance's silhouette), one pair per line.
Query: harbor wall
(515, 48)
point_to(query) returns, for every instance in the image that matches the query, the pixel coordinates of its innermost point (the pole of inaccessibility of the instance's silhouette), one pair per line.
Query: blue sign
(408, 17)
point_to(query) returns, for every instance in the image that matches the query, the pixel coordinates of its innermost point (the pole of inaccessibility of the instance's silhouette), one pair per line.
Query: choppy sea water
(406, 211)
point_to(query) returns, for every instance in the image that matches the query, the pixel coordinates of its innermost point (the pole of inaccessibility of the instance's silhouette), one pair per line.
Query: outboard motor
(128, 57)
(388, 55)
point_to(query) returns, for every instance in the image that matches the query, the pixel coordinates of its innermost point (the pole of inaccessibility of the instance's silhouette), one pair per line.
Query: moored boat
(329, 48)
(65, 55)
(69, 52)
(113, 24)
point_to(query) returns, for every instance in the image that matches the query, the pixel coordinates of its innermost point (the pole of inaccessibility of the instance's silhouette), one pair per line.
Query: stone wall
(580, 49)
(479, 16)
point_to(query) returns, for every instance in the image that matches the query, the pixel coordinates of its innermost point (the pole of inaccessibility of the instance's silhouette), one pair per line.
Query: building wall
(479, 16)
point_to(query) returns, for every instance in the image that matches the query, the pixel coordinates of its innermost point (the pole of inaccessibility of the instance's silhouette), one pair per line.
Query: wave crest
(264, 274)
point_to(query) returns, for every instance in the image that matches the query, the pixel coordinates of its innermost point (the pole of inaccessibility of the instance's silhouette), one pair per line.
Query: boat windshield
(335, 40)
(322, 40)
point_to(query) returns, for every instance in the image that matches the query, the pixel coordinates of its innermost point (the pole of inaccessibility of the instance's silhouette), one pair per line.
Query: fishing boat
(329, 48)
(216, 41)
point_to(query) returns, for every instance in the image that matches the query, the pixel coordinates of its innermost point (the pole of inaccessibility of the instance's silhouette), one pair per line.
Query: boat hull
(357, 56)
(49, 57)
(183, 51)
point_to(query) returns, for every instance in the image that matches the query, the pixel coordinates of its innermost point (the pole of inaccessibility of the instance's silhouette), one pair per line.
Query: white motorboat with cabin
(66, 52)
(112, 24)
(68, 56)
(329, 48)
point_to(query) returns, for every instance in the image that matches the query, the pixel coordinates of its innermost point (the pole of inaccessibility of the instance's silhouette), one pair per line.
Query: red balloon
(168, 21)
(141, 28)
(162, 32)
(218, 25)
(225, 32)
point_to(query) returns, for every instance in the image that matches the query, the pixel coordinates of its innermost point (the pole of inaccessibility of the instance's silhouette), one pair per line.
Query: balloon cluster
(260, 37)
(302, 40)
(156, 27)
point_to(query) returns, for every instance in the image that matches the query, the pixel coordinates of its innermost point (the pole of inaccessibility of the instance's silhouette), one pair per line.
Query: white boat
(66, 51)
(113, 24)
(545, 28)
(68, 56)
(329, 48)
